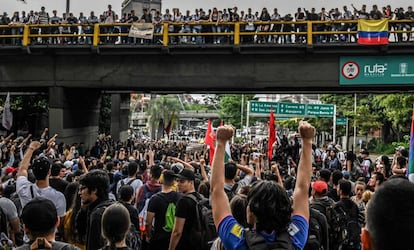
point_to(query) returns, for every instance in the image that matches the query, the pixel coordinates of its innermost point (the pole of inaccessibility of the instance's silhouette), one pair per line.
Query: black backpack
(3, 222)
(204, 232)
(255, 241)
(318, 235)
(348, 233)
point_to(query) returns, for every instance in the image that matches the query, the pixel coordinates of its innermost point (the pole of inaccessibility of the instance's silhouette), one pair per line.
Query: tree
(230, 109)
(162, 107)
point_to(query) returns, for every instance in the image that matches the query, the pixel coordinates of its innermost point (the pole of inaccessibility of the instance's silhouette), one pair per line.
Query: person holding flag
(7, 120)
(411, 154)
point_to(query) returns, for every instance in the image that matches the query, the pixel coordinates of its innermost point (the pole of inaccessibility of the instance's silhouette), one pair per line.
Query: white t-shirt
(25, 194)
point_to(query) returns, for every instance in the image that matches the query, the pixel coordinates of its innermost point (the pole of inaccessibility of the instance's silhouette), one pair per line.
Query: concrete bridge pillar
(120, 112)
(74, 114)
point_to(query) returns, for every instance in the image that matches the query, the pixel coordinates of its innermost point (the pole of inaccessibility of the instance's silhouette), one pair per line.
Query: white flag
(7, 121)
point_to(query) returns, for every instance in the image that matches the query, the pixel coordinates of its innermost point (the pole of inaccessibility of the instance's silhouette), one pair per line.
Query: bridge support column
(74, 114)
(120, 116)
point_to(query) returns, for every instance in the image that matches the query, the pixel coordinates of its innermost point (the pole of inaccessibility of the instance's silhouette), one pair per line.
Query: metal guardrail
(307, 32)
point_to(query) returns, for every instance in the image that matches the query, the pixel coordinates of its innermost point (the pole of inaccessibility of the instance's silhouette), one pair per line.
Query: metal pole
(334, 126)
(247, 117)
(242, 109)
(67, 7)
(346, 133)
(355, 106)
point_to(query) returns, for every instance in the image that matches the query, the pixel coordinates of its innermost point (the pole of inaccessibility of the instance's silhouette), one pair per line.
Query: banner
(141, 30)
(372, 32)
(411, 154)
(209, 140)
(7, 120)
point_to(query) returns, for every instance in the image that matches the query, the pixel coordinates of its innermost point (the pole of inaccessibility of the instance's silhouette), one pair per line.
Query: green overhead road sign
(263, 107)
(293, 109)
(341, 121)
(320, 110)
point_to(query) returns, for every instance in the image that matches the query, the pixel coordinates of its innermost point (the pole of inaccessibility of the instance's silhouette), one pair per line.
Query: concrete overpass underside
(75, 76)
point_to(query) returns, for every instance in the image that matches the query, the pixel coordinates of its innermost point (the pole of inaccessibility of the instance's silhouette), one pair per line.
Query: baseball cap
(68, 164)
(45, 211)
(346, 174)
(186, 174)
(9, 170)
(364, 151)
(41, 165)
(399, 148)
(320, 187)
(177, 167)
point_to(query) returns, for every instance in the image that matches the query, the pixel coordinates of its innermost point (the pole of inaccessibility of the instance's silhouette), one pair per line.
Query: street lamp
(67, 6)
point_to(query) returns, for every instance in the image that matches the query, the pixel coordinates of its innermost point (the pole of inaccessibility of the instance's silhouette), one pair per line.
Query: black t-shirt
(186, 208)
(158, 205)
(133, 214)
(58, 184)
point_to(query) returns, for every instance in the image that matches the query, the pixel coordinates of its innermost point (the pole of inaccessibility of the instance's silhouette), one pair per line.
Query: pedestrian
(269, 210)
(115, 226)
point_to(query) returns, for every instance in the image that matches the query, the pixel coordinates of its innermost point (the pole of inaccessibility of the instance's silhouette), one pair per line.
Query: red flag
(209, 139)
(272, 134)
(170, 124)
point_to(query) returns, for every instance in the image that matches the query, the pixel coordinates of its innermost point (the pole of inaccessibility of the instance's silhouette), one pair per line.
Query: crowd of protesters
(56, 195)
(80, 28)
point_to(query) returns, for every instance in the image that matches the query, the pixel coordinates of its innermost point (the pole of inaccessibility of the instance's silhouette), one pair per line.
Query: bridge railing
(201, 32)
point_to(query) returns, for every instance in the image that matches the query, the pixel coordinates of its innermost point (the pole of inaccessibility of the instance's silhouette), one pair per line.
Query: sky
(284, 6)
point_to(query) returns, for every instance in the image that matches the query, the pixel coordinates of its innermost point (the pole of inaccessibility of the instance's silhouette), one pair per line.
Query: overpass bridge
(74, 76)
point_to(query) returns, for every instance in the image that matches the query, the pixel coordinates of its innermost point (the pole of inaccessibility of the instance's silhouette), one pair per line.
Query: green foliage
(161, 107)
(195, 106)
(230, 109)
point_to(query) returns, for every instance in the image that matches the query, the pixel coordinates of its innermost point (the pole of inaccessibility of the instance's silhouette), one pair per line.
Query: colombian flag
(373, 32)
(411, 155)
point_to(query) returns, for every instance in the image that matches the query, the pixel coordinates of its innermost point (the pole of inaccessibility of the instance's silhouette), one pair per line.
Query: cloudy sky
(284, 6)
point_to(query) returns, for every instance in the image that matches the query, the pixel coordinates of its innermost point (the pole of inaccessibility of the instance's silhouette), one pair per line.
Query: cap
(45, 211)
(9, 170)
(41, 164)
(338, 147)
(399, 148)
(364, 151)
(346, 174)
(186, 174)
(320, 187)
(68, 164)
(177, 167)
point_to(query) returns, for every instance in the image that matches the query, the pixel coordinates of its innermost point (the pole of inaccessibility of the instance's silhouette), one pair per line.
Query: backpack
(349, 233)
(147, 194)
(133, 238)
(143, 207)
(128, 183)
(56, 245)
(332, 217)
(232, 192)
(255, 241)
(169, 214)
(356, 170)
(204, 232)
(318, 231)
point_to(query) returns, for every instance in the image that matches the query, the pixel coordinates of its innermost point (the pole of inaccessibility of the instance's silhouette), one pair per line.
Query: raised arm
(304, 172)
(219, 201)
(24, 165)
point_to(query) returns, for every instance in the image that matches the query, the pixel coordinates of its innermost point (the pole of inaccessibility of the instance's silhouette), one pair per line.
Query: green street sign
(292, 109)
(341, 121)
(379, 70)
(320, 110)
(263, 107)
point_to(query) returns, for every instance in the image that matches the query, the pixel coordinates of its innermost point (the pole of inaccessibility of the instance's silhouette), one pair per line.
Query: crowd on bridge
(146, 194)
(79, 28)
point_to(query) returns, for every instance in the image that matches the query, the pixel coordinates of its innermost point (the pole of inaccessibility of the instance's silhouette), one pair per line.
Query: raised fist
(306, 130)
(224, 133)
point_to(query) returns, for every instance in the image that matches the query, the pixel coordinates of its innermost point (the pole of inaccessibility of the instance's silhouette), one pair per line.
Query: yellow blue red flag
(373, 32)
